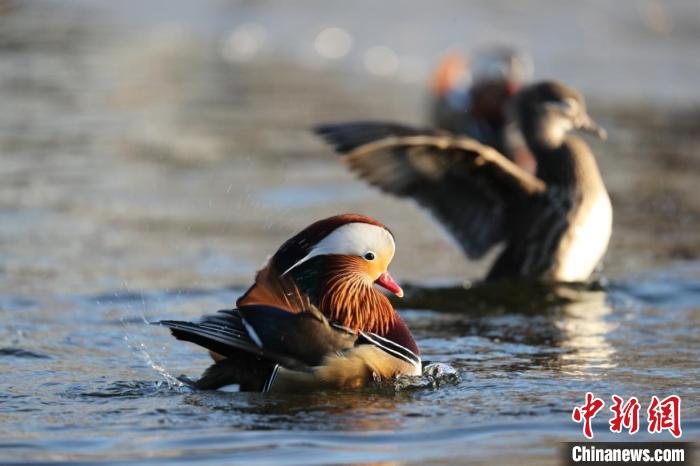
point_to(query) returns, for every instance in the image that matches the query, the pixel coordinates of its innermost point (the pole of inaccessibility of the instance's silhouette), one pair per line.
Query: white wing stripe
(403, 352)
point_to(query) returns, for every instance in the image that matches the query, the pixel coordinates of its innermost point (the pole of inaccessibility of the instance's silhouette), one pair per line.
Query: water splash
(143, 351)
(435, 375)
(153, 362)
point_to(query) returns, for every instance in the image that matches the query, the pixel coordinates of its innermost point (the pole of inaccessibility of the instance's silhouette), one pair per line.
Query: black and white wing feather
(223, 333)
(391, 347)
(265, 348)
(294, 340)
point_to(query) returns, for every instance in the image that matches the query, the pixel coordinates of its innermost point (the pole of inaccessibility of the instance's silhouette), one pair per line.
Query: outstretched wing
(470, 188)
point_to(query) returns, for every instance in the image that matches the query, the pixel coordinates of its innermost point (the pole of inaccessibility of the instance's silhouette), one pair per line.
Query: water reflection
(565, 326)
(584, 325)
(138, 150)
(363, 411)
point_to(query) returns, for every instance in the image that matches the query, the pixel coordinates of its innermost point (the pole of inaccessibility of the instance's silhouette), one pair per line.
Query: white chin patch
(558, 129)
(352, 239)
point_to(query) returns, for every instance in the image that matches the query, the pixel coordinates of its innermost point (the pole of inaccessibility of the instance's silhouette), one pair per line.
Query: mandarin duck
(472, 97)
(313, 318)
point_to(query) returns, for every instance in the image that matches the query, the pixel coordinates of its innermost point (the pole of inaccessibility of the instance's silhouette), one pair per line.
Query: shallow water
(143, 176)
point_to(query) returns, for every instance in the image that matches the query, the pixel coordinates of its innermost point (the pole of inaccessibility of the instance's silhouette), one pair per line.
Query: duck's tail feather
(226, 334)
(222, 334)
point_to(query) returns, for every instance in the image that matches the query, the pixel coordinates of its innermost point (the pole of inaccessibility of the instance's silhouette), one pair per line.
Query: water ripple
(22, 353)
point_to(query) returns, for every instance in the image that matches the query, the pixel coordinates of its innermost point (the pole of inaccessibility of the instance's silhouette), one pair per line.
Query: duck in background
(313, 318)
(554, 225)
(471, 98)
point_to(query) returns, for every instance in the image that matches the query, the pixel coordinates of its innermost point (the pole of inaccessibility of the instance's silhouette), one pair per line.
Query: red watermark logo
(625, 415)
(661, 414)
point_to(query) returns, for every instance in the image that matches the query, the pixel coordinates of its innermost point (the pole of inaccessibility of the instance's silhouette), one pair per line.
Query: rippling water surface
(147, 170)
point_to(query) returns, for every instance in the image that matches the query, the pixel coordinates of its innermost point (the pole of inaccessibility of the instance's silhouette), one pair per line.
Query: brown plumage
(353, 302)
(313, 317)
(350, 370)
(272, 289)
(472, 98)
(554, 225)
(346, 295)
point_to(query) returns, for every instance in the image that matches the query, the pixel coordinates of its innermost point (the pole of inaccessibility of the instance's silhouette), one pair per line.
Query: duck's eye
(369, 256)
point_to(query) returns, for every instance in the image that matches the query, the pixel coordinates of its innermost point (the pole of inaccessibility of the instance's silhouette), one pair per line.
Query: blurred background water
(152, 154)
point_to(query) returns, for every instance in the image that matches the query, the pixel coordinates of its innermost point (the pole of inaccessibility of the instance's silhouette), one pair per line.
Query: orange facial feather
(350, 299)
(347, 294)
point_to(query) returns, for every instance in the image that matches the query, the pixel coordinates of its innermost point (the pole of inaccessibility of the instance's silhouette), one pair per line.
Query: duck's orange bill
(385, 280)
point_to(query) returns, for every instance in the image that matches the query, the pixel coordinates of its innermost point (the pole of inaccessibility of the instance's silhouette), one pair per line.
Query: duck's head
(451, 77)
(502, 64)
(553, 109)
(337, 261)
(498, 73)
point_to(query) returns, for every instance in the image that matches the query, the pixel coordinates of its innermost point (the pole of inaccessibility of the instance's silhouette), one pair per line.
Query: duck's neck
(564, 162)
(357, 305)
(546, 138)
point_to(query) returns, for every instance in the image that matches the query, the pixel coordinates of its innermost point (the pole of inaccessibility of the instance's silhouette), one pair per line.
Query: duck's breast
(586, 241)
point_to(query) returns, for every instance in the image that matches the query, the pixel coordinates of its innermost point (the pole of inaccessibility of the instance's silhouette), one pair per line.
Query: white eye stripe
(352, 239)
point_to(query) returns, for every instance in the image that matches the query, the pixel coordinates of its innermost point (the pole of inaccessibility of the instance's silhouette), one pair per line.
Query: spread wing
(470, 188)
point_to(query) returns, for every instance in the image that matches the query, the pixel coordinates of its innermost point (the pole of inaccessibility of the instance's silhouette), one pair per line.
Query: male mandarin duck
(449, 91)
(471, 98)
(313, 318)
(554, 225)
